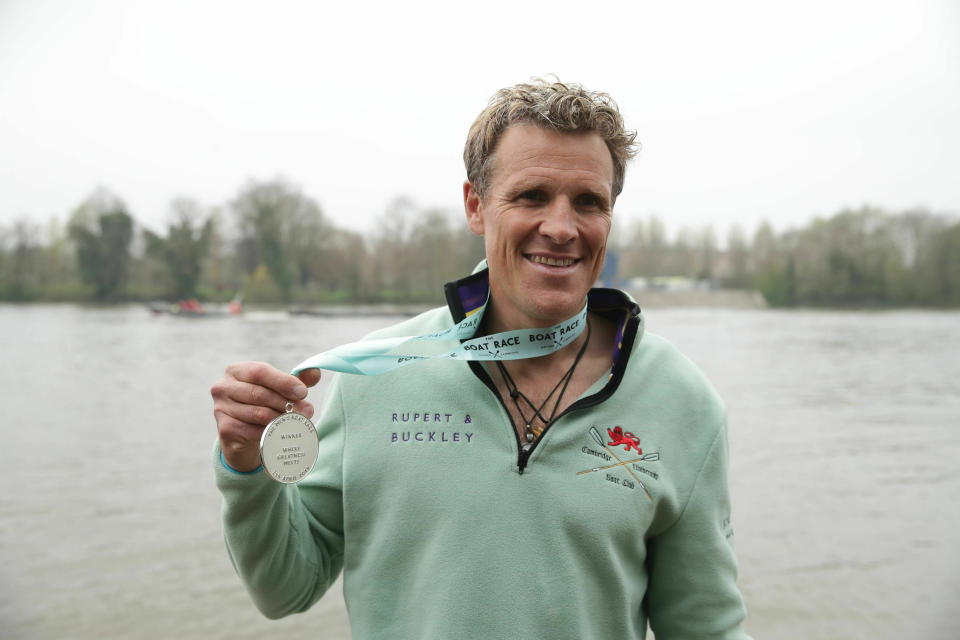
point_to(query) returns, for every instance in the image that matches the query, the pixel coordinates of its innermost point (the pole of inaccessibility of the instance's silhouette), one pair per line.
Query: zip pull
(523, 456)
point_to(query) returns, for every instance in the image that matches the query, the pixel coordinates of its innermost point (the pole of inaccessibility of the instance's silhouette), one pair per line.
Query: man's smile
(552, 261)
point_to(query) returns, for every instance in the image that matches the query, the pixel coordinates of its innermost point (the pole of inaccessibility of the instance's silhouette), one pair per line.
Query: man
(579, 494)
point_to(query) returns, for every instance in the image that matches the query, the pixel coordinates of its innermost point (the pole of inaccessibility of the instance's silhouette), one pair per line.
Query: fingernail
(300, 391)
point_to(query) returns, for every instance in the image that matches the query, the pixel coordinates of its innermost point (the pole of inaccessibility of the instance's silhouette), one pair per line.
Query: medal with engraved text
(289, 446)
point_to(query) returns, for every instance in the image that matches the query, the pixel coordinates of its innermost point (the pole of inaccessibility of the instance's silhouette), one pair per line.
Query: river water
(845, 442)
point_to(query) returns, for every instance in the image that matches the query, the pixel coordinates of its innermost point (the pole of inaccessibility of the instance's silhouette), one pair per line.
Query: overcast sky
(745, 109)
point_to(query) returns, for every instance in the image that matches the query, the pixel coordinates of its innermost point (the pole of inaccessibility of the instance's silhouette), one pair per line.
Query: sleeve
(692, 593)
(286, 541)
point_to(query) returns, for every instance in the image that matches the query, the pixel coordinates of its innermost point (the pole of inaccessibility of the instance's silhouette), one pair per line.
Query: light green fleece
(417, 497)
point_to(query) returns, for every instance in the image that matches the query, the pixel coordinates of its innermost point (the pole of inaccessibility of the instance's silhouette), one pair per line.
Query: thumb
(309, 377)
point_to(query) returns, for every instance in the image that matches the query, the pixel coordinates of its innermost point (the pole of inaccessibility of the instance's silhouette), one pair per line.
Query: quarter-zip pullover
(445, 528)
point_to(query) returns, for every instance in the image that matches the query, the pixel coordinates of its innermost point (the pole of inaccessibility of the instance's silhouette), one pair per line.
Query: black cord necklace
(531, 431)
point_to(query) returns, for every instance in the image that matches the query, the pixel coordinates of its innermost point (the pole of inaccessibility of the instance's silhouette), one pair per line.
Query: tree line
(856, 257)
(273, 244)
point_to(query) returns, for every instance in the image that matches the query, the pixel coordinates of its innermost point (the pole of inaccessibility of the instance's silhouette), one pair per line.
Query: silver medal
(289, 446)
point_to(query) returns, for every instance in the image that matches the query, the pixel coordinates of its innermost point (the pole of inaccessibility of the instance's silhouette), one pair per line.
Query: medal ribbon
(372, 357)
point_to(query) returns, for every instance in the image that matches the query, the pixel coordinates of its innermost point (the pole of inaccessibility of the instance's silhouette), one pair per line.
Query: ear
(472, 206)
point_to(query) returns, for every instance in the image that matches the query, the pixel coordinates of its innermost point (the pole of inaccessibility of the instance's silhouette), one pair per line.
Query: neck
(495, 321)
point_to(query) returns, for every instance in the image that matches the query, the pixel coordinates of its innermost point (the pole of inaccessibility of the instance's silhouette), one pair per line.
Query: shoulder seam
(696, 480)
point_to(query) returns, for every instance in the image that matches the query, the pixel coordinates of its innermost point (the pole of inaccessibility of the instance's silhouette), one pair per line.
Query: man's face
(545, 219)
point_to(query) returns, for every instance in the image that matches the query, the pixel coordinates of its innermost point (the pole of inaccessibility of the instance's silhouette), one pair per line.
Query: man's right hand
(246, 398)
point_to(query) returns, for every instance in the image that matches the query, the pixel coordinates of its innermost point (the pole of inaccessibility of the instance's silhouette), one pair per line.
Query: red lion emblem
(628, 440)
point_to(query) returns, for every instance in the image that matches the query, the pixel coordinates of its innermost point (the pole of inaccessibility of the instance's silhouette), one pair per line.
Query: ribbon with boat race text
(376, 356)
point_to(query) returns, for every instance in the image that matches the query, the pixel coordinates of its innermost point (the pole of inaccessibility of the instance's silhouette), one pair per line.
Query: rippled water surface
(845, 440)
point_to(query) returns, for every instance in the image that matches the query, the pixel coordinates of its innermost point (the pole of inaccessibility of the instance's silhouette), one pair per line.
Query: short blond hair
(562, 107)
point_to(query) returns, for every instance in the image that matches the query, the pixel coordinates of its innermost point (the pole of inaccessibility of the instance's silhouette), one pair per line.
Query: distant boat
(192, 308)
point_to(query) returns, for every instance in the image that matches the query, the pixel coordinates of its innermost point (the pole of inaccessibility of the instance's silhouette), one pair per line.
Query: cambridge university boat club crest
(628, 459)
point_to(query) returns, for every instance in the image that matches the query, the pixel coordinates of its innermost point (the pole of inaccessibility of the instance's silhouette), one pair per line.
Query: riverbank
(714, 298)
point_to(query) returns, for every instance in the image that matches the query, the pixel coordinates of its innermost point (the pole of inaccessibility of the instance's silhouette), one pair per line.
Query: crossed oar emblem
(647, 457)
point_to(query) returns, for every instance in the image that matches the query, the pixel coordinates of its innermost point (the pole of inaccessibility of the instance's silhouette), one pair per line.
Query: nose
(559, 222)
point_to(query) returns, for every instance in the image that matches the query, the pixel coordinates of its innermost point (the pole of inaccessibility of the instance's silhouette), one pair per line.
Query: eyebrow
(525, 184)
